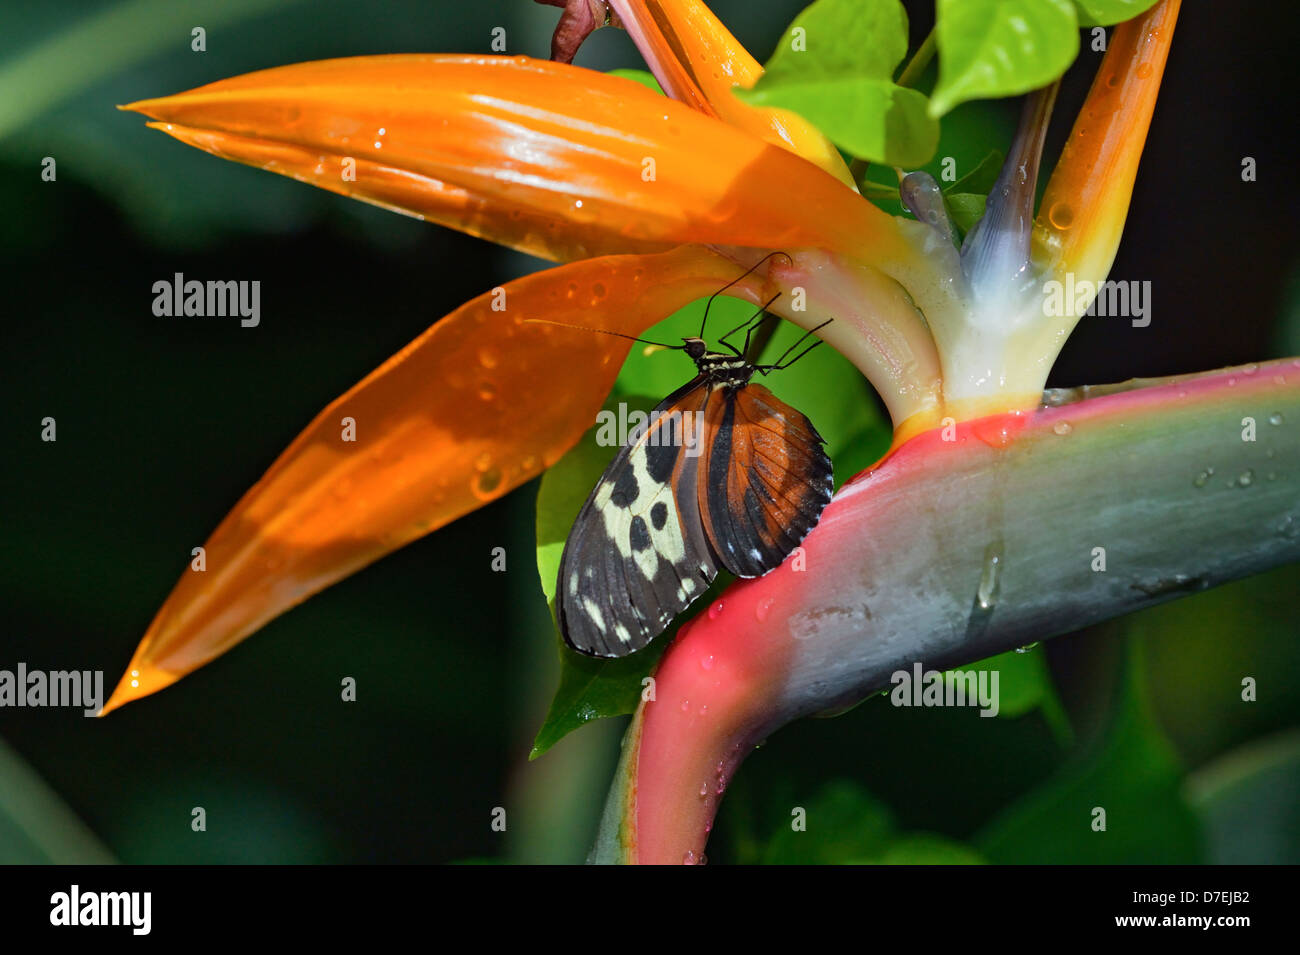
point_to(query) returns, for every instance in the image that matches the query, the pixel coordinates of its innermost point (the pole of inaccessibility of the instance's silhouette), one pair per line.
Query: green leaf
(1093, 13)
(1134, 777)
(993, 48)
(643, 77)
(980, 179)
(1024, 682)
(1249, 802)
(845, 825)
(36, 826)
(842, 822)
(834, 66)
(965, 209)
(591, 688)
(925, 848)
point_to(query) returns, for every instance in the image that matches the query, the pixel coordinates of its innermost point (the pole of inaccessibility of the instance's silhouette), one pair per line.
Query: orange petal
(480, 403)
(699, 62)
(552, 159)
(1082, 214)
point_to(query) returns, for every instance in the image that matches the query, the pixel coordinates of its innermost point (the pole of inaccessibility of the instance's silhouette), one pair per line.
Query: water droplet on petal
(1062, 428)
(1275, 418)
(764, 607)
(706, 662)
(1061, 215)
(990, 576)
(1246, 478)
(715, 611)
(486, 483)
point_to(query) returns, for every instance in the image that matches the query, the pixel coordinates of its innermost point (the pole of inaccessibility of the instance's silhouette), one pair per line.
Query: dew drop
(706, 662)
(1144, 71)
(715, 611)
(690, 858)
(486, 390)
(529, 463)
(704, 790)
(486, 483)
(1246, 478)
(704, 708)
(764, 607)
(1061, 215)
(1250, 369)
(686, 706)
(1203, 478)
(1027, 647)
(1062, 428)
(487, 358)
(1275, 418)
(598, 289)
(990, 576)
(483, 462)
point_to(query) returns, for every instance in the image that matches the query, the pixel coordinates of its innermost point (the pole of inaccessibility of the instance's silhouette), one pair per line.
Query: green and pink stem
(964, 542)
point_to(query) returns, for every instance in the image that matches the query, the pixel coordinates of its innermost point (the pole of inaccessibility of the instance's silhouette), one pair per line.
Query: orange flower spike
(480, 403)
(548, 158)
(699, 62)
(1081, 217)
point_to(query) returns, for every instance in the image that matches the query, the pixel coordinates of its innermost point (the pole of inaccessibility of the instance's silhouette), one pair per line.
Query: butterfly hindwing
(638, 555)
(765, 482)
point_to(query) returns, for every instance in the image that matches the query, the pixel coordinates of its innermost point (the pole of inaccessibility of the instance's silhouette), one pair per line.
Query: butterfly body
(724, 475)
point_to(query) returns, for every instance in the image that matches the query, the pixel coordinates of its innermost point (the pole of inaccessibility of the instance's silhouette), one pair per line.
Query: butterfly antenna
(601, 331)
(778, 364)
(747, 272)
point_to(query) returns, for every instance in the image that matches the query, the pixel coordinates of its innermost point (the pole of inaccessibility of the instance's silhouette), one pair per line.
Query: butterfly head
(695, 348)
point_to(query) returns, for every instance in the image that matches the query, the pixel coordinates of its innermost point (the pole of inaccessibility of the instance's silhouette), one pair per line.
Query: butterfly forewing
(766, 482)
(637, 555)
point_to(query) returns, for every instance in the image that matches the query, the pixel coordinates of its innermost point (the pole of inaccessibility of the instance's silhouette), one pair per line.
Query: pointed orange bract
(480, 403)
(699, 62)
(549, 158)
(1081, 217)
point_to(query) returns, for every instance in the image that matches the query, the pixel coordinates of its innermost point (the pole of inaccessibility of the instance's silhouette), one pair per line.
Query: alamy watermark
(684, 429)
(1130, 299)
(132, 910)
(177, 297)
(24, 687)
(919, 687)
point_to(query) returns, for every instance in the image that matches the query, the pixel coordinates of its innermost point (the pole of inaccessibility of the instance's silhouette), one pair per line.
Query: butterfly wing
(765, 482)
(637, 555)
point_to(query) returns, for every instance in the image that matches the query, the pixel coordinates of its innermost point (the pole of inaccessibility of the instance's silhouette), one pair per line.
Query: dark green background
(163, 423)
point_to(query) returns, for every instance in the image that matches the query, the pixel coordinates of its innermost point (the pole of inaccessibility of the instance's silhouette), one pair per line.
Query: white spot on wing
(594, 613)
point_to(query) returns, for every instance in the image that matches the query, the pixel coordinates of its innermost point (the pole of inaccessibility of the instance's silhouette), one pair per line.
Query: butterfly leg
(781, 363)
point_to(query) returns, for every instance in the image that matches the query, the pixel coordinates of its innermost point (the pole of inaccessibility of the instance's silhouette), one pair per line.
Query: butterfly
(723, 474)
